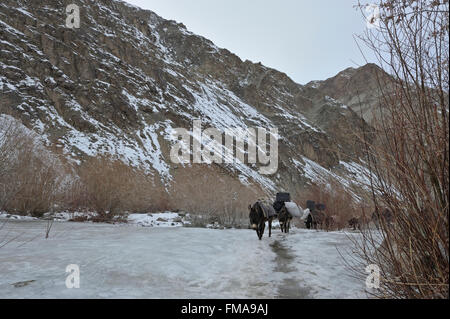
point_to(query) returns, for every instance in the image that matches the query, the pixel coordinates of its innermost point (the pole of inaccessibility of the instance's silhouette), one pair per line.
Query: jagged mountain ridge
(126, 77)
(358, 88)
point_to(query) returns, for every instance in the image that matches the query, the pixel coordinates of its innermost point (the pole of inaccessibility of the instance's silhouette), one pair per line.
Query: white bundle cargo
(293, 209)
(306, 212)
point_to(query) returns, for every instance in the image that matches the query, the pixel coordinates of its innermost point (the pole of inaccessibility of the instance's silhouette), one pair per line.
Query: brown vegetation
(30, 177)
(340, 204)
(213, 194)
(33, 181)
(411, 160)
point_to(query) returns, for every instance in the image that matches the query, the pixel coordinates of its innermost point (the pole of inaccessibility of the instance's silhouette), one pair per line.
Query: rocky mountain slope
(356, 88)
(121, 82)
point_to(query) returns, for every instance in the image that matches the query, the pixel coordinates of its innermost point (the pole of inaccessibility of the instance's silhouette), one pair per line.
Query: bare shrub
(30, 175)
(411, 159)
(48, 227)
(75, 196)
(39, 182)
(214, 195)
(110, 188)
(160, 198)
(340, 204)
(12, 148)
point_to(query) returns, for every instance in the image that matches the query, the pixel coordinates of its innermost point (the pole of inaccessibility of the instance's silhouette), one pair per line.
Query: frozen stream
(135, 262)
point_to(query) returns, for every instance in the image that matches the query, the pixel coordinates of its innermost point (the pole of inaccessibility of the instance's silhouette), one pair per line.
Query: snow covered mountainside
(122, 81)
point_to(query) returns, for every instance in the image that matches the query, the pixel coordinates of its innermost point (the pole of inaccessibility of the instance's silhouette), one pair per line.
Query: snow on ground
(167, 219)
(6, 216)
(155, 262)
(66, 216)
(318, 261)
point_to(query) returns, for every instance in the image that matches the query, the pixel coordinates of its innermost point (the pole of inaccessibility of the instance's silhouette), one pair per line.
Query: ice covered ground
(4, 215)
(167, 219)
(126, 261)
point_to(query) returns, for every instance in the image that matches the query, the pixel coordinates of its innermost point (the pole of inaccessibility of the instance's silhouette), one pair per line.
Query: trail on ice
(136, 262)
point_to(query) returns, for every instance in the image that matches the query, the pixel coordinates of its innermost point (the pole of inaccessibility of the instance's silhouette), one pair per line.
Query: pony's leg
(270, 228)
(259, 231)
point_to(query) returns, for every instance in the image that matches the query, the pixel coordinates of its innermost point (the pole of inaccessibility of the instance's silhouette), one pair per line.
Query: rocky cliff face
(357, 88)
(121, 82)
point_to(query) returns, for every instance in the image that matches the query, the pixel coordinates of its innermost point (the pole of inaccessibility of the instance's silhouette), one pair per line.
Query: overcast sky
(308, 40)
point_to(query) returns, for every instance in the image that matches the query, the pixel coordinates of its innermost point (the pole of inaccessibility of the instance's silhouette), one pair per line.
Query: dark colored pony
(315, 220)
(354, 223)
(385, 217)
(285, 220)
(330, 223)
(259, 215)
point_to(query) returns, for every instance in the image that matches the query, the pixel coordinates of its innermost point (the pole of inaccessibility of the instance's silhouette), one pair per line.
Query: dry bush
(110, 188)
(158, 192)
(39, 183)
(13, 144)
(30, 176)
(215, 195)
(75, 197)
(411, 161)
(33, 181)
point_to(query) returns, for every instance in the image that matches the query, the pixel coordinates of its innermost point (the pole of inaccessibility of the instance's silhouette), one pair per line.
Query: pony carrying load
(287, 212)
(260, 213)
